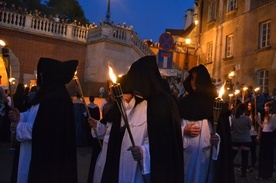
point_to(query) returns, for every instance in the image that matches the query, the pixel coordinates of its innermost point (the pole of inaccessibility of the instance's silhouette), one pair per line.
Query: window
(212, 11)
(264, 34)
(229, 46)
(232, 5)
(209, 52)
(263, 77)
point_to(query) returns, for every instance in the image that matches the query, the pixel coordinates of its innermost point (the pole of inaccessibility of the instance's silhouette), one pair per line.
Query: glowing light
(231, 95)
(245, 88)
(11, 80)
(237, 92)
(112, 75)
(221, 91)
(196, 22)
(188, 41)
(231, 74)
(2, 43)
(257, 89)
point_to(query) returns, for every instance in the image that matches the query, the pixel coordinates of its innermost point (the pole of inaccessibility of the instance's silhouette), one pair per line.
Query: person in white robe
(24, 136)
(129, 172)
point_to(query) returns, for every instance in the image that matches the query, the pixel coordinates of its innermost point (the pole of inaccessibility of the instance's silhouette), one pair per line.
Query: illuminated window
(264, 34)
(212, 11)
(209, 52)
(229, 46)
(263, 77)
(232, 5)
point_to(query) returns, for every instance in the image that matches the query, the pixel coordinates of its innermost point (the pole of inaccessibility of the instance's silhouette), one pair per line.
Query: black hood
(54, 72)
(144, 77)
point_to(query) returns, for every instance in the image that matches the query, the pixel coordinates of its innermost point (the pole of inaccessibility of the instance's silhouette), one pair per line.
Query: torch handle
(78, 86)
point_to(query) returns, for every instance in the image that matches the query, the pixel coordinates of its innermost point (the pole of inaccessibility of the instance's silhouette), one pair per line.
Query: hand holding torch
(78, 86)
(118, 94)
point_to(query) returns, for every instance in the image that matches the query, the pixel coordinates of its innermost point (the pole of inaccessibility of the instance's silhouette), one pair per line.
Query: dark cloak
(53, 139)
(199, 105)
(164, 130)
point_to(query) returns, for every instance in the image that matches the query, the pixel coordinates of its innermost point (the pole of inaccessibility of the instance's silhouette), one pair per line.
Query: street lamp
(186, 63)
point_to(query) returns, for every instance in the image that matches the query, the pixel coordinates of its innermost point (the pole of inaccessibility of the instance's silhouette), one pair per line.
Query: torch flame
(2, 43)
(256, 89)
(221, 91)
(237, 92)
(112, 75)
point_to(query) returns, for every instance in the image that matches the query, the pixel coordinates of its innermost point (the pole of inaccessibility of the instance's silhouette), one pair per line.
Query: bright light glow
(25, 85)
(231, 74)
(231, 95)
(237, 92)
(245, 88)
(221, 91)
(196, 22)
(257, 89)
(2, 43)
(188, 41)
(112, 75)
(11, 80)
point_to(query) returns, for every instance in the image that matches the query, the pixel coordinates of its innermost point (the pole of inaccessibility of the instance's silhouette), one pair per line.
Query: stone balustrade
(70, 32)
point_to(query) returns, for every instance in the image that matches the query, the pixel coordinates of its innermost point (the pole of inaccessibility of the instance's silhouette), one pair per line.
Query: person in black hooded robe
(164, 130)
(49, 128)
(196, 112)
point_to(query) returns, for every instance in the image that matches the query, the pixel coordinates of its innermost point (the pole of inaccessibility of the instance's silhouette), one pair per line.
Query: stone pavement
(84, 154)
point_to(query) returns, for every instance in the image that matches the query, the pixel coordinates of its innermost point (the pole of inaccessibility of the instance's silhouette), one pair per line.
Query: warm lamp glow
(2, 43)
(196, 22)
(221, 91)
(112, 75)
(257, 89)
(11, 80)
(231, 95)
(245, 88)
(231, 74)
(237, 92)
(188, 41)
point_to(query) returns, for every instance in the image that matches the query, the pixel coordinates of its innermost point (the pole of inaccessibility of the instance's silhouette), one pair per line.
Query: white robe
(24, 136)
(129, 171)
(197, 153)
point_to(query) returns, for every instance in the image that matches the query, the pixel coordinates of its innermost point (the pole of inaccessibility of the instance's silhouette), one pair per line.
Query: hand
(192, 130)
(214, 139)
(92, 122)
(14, 115)
(137, 152)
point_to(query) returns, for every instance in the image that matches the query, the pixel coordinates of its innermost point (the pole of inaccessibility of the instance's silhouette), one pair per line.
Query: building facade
(29, 38)
(237, 36)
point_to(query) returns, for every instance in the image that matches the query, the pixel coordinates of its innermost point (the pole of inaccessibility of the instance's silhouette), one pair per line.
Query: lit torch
(78, 86)
(118, 94)
(243, 93)
(217, 107)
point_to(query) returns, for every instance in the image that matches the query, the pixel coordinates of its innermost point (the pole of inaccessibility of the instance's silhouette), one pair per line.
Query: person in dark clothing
(164, 130)
(196, 112)
(47, 134)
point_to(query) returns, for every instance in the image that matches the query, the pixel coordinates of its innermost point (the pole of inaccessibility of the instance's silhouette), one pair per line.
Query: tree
(67, 9)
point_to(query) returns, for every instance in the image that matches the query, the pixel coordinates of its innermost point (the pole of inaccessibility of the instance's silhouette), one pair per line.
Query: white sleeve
(216, 149)
(101, 129)
(146, 159)
(24, 131)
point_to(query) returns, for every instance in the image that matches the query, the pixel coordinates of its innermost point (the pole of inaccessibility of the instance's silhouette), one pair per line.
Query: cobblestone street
(84, 154)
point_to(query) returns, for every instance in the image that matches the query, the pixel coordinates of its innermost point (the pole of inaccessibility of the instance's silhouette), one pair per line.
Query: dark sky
(149, 18)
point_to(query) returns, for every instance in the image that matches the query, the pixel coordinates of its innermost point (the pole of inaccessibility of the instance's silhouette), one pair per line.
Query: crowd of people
(147, 135)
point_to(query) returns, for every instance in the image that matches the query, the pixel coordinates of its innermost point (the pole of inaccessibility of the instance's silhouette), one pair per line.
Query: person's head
(51, 72)
(199, 82)
(240, 110)
(268, 107)
(144, 77)
(91, 99)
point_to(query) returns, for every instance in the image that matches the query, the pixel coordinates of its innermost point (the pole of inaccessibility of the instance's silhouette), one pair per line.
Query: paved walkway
(84, 154)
